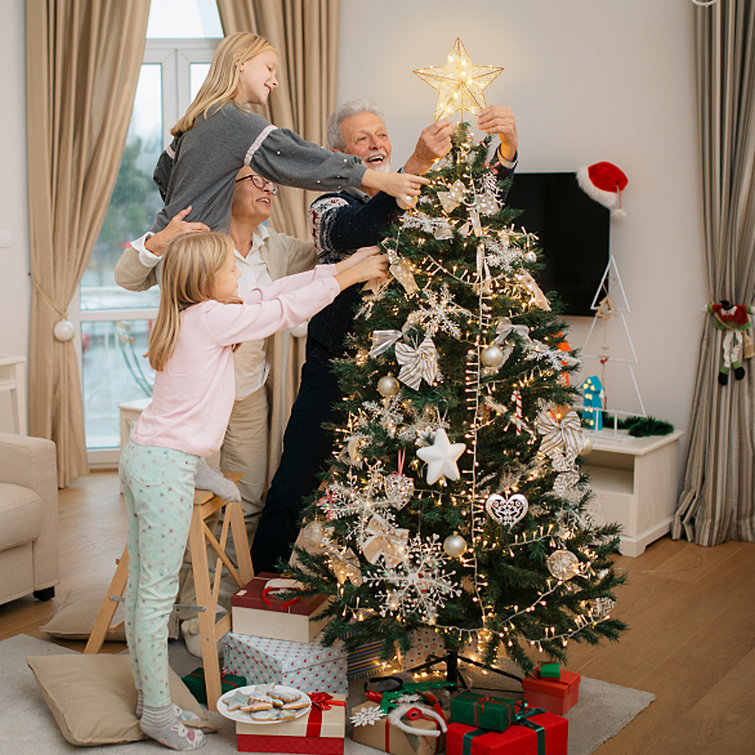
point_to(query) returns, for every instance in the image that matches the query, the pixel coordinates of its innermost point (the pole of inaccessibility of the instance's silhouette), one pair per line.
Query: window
(114, 324)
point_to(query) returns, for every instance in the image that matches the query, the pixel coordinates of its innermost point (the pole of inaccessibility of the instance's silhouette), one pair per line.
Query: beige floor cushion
(93, 697)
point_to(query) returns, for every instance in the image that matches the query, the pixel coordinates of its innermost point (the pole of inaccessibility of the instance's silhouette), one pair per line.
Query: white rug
(26, 724)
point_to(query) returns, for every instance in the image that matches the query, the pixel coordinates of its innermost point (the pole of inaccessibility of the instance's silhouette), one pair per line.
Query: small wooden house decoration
(592, 395)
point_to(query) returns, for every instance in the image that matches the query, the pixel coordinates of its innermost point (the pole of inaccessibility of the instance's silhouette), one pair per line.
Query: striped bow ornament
(417, 364)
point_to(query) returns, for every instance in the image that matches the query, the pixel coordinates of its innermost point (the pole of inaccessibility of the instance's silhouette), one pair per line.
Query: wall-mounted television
(573, 231)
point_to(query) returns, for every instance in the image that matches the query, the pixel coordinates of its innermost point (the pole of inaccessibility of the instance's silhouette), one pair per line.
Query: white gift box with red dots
(307, 666)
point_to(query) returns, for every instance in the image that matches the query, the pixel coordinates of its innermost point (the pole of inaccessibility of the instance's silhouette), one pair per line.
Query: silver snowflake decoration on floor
(420, 584)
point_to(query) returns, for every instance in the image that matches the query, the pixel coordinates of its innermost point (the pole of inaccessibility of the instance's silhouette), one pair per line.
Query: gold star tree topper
(460, 83)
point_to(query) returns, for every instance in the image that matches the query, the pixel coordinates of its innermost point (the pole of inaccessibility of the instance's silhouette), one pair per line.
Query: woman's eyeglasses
(260, 183)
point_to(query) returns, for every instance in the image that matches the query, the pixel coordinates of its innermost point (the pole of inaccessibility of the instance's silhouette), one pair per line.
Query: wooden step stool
(205, 505)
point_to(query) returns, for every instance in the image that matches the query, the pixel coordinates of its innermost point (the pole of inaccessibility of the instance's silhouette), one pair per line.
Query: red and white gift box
(256, 610)
(553, 695)
(308, 666)
(322, 730)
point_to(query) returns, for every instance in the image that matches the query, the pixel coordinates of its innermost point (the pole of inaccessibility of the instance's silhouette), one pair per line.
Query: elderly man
(340, 223)
(262, 255)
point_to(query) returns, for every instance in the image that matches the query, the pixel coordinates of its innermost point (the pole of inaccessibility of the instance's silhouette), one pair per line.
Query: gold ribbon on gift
(417, 364)
(562, 438)
(383, 539)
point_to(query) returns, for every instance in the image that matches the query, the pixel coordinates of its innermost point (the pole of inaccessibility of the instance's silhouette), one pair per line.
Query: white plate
(258, 689)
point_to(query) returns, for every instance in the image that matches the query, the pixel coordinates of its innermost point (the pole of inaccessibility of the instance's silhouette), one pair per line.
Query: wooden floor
(691, 613)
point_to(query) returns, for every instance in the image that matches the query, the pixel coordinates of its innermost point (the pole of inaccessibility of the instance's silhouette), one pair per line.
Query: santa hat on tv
(604, 182)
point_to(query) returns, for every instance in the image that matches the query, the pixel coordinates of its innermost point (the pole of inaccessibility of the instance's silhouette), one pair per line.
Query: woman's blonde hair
(221, 84)
(190, 265)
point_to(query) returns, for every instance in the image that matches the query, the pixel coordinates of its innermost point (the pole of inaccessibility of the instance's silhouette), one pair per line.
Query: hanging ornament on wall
(507, 511)
(563, 565)
(454, 545)
(388, 386)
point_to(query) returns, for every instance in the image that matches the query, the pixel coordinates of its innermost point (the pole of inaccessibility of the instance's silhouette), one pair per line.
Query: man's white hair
(333, 135)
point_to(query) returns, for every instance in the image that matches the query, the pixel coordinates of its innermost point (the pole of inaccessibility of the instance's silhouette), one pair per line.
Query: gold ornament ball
(492, 356)
(586, 447)
(530, 257)
(388, 386)
(454, 545)
(563, 564)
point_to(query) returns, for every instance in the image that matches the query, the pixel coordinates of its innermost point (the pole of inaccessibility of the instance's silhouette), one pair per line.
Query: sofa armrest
(32, 463)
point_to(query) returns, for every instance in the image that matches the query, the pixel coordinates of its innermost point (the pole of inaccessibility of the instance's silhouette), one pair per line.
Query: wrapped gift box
(384, 736)
(321, 731)
(483, 711)
(542, 734)
(554, 695)
(308, 666)
(196, 683)
(257, 611)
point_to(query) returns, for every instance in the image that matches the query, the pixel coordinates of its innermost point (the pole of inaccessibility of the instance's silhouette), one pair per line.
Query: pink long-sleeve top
(193, 396)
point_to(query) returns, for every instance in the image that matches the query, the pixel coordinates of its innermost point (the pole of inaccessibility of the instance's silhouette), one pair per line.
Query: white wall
(588, 80)
(15, 288)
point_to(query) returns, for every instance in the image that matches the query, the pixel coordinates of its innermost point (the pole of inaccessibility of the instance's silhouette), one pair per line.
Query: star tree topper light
(460, 83)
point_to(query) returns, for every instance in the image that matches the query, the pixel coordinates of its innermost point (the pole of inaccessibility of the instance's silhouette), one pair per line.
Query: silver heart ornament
(507, 511)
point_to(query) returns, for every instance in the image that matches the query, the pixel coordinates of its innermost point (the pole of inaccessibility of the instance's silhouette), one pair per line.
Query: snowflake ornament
(368, 715)
(419, 585)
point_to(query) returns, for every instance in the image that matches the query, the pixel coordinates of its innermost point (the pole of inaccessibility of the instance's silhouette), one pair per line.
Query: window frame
(175, 57)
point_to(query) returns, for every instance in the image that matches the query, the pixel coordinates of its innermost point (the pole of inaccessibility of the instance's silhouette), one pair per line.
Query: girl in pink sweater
(199, 321)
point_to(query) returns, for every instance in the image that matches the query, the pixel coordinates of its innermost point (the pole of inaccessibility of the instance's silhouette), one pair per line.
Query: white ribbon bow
(560, 439)
(417, 364)
(383, 539)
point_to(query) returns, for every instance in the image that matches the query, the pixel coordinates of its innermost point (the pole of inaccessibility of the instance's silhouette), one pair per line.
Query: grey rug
(26, 724)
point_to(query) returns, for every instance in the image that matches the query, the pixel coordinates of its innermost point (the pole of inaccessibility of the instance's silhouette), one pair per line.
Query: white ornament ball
(63, 330)
(454, 545)
(563, 565)
(586, 447)
(530, 257)
(388, 386)
(492, 356)
(300, 330)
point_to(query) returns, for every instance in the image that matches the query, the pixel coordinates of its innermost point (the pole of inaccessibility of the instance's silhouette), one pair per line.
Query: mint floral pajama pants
(158, 485)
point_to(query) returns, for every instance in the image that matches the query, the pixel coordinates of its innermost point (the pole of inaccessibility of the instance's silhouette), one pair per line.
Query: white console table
(13, 380)
(636, 484)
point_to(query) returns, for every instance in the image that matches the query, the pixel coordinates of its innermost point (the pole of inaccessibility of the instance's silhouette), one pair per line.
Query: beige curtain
(82, 66)
(305, 33)
(717, 502)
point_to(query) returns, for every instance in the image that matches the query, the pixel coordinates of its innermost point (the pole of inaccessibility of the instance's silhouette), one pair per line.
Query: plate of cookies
(264, 704)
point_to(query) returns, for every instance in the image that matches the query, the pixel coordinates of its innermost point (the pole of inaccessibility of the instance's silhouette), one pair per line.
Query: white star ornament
(441, 457)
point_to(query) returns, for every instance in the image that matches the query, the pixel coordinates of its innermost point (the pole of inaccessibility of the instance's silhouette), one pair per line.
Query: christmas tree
(454, 499)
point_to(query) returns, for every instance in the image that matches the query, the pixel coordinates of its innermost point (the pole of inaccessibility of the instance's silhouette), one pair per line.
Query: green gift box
(195, 682)
(550, 671)
(483, 711)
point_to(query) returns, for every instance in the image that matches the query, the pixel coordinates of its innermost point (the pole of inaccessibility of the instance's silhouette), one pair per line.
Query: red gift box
(255, 610)
(553, 695)
(321, 731)
(534, 734)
